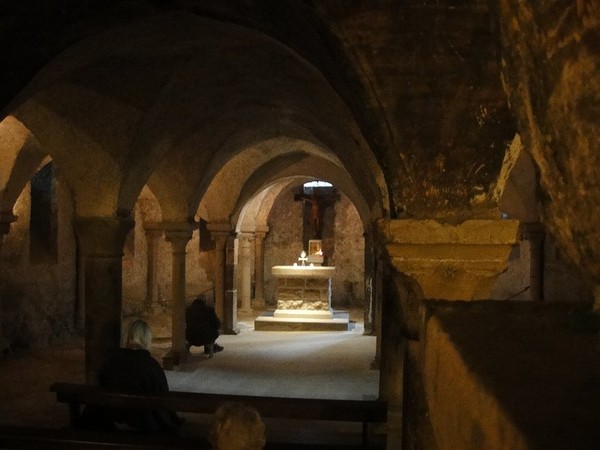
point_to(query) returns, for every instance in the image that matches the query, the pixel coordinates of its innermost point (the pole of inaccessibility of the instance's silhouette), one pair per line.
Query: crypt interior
(442, 154)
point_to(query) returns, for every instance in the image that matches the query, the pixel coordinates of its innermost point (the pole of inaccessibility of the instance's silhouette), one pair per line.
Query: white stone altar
(303, 301)
(303, 291)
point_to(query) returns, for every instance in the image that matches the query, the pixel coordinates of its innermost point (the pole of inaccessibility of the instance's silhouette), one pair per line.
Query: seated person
(202, 325)
(237, 427)
(133, 369)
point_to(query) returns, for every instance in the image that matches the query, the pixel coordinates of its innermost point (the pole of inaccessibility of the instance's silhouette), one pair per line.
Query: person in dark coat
(133, 369)
(202, 325)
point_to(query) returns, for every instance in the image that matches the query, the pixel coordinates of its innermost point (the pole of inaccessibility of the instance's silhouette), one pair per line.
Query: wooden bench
(31, 438)
(361, 411)
(20, 437)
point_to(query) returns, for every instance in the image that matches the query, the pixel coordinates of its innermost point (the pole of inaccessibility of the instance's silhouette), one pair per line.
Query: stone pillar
(536, 235)
(378, 298)
(101, 240)
(178, 235)
(369, 307)
(219, 233)
(259, 267)
(451, 262)
(80, 295)
(391, 375)
(152, 238)
(244, 272)
(6, 218)
(230, 303)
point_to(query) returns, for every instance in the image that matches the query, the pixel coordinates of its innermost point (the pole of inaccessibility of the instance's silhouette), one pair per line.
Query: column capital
(178, 240)
(184, 227)
(220, 232)
(153, 233)
(246, 236)
(260, 235)
(452, 262)
(102, 236)
(178, 234)
(153, 226)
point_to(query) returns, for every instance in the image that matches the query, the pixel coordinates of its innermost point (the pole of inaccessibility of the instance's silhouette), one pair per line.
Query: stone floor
(330, 364)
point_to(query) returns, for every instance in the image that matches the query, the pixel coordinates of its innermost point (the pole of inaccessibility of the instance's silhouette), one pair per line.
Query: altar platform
(268, 322)
(303, 301)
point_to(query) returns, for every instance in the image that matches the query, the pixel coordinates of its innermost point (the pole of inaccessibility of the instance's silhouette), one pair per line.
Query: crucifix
(318, 203)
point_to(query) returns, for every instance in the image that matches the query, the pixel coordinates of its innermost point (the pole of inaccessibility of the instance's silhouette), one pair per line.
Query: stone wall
(550, 70)
(494, 379)
(349, 257)
(38, 296)
(562, 282)
(463, 413)
(283, 242)
(283, 245)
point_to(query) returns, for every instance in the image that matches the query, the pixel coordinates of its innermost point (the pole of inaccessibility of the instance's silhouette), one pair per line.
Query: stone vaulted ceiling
(406, 95)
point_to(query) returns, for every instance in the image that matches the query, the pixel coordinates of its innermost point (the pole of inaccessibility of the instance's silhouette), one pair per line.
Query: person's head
(237, 427)
(139, 335)
(200, 300)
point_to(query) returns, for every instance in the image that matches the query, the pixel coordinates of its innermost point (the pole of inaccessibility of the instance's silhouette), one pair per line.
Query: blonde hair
(139, 335)
(237, 427)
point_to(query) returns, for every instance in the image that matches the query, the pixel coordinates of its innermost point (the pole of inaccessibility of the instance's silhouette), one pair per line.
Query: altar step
(267, 322)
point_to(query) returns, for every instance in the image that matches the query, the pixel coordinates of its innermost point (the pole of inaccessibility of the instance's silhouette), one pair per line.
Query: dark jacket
(132, 370)
(201, 324)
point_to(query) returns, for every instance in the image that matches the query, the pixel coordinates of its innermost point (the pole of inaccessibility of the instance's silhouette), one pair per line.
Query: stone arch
(21, 156)
(515, 190)
(112, 133)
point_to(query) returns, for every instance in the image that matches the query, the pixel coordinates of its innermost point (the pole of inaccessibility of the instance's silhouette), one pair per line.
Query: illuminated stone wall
(38, 298)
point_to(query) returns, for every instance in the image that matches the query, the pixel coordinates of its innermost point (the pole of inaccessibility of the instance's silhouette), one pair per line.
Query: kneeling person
(202, 325)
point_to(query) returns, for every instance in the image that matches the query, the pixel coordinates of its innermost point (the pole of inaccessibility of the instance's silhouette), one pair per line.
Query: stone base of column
(258, 303)
(173, 358)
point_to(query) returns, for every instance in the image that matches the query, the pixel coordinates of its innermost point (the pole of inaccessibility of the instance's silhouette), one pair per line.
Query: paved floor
(334, 364)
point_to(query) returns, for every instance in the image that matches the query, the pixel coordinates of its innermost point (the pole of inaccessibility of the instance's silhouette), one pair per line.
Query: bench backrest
(192, 402)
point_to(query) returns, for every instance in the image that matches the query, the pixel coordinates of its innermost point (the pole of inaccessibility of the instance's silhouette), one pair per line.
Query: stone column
(378, 299)
(219, 233)
(6, 218)
(101, 240)
(536, 235)
(369, 308)
(259, 267)
(178, 235)
(245, 271)
(391, 375)
(230, 302)
(80, 295)
(153, 233)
